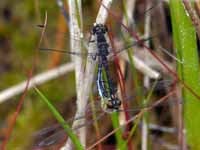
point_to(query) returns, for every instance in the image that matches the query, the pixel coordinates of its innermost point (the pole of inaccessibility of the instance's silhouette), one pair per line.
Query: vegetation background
(170, 27)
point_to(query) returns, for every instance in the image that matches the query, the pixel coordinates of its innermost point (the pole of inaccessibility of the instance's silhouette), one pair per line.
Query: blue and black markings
(110, 101)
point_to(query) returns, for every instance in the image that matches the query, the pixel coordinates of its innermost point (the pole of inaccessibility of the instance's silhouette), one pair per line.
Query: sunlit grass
(185, 44)
(61, 120)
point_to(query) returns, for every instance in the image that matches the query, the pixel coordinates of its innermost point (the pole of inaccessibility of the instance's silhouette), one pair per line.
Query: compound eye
(95, 28)
(116, 102)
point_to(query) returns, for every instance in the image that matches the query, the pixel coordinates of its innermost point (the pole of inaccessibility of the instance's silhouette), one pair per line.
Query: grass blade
(61, 120)
(185, 42)
(118, 134)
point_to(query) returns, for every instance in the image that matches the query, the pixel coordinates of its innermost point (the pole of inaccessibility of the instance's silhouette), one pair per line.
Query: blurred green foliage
(19, 37)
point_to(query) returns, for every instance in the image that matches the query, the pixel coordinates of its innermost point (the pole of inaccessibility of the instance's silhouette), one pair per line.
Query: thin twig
(116, 129)
(43, 31)
(152, 126)
(146, 80)
(166, 145)
(171, 55)
(153, 63)
(36, 80)
(194, 17)
(146, 35)
(143, 68)
(16, 113)
(129, 6)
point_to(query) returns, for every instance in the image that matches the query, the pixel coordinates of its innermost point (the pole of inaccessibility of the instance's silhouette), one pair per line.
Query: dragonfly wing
(57, 133)
(61, 135)
(49, 43)
(91, 121)
(133, 44)
(53, 139)
(46, 130)
(52, 34)
(91, 57)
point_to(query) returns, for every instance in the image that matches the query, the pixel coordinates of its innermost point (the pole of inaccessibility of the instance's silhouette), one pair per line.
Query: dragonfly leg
(94, 57)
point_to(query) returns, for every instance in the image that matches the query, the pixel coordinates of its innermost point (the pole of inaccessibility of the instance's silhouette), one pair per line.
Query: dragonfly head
(115, 103)
(110, 105)
(99, 29)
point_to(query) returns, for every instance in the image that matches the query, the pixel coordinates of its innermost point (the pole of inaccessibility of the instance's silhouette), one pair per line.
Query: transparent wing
(49, 34)
(59, 42)
(59, 133)
(94, 55)
(53, 139)
(134, 43)
(49, 44)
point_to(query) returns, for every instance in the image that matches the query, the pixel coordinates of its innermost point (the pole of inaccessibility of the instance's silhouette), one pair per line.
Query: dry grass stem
(194, 17)
(143, 67)
(75, 14)
(146, 79)
(36, 80)
(89, 71)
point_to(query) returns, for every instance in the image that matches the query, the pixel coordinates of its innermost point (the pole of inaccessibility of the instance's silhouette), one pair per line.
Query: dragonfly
(106, 89)
(109, 100)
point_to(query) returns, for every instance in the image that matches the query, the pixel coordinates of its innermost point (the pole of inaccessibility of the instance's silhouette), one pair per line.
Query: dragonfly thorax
(103, 48)
(99, 29)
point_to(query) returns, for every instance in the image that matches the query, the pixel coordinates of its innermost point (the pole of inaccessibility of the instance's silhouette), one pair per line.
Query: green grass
(121, 144)
(61, 120)
(184, 37)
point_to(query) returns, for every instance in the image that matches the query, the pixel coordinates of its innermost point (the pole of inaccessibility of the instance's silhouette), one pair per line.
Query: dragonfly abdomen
(108, 96)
